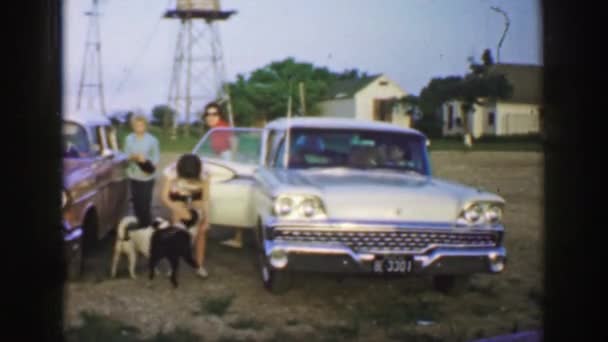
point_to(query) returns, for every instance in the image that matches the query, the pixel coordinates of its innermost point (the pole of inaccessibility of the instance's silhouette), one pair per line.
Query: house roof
(526, 80)
(348, 88)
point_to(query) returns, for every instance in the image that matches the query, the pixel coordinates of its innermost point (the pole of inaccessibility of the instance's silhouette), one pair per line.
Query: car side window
(75, 141)
(96, 140)
(111, 138)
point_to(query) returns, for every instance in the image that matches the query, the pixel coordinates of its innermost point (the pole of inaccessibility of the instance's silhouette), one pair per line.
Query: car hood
(382, 195)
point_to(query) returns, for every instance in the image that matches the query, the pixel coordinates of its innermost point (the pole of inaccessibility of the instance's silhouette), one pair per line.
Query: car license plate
(392, 264)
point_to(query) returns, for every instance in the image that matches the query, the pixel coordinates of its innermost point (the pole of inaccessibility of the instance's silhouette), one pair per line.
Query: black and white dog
(159, 241)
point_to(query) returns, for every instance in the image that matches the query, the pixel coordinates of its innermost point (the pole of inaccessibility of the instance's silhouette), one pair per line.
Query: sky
(411, 41)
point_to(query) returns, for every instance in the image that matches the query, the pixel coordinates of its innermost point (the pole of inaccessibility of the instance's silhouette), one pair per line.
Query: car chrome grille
(389, 241)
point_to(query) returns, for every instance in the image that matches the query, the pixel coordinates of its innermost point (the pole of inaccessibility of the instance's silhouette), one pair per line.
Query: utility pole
(504, 34)
(288, 134)
(302, 99)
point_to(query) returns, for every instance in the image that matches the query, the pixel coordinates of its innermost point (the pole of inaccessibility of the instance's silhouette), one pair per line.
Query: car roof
(86, 118)
(338, 123)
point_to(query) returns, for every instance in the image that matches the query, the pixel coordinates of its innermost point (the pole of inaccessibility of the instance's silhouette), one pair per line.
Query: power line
(138, 57)
(145, 47)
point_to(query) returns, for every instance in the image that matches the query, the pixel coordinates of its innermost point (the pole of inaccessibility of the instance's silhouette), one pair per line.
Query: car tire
(451, 284)
(89, 241)
(275, 281)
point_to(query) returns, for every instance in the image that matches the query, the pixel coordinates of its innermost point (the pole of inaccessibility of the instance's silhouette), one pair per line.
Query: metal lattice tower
(90, 88)
(199, 73)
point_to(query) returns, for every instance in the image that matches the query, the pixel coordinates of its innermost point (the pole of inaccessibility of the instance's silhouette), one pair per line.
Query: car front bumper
(336, 257)
(72, 238)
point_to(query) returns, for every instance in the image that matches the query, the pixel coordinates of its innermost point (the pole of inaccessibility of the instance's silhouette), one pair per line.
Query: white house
(520, 114)
(371, 98)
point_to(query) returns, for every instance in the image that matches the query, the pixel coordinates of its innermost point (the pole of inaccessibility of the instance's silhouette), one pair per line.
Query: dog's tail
(127, 223)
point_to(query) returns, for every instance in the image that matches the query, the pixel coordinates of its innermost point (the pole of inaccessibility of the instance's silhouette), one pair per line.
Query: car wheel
(89, 241)
(275, 281)
(450, 284)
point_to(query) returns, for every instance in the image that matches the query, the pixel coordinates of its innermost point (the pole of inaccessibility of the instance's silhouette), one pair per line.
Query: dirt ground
(232, 305)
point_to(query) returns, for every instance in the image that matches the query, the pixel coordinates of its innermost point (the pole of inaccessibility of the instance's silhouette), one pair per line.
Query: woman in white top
(186, 188)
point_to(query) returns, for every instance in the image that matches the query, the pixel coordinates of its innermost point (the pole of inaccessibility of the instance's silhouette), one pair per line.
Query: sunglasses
(212, 114)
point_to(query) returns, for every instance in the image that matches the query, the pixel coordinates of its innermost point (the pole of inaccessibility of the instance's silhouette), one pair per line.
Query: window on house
(383, 83)
(458, 122)
(491, 119)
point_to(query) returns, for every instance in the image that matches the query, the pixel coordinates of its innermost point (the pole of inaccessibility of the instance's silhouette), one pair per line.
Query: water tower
(198, 74)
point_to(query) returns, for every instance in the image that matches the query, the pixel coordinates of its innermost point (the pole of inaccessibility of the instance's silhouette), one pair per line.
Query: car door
(231, 173)
(118, 195)
(102, 167)
(79, 176)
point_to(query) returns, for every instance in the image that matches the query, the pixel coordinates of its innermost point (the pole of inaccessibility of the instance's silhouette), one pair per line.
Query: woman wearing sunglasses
(223, 144)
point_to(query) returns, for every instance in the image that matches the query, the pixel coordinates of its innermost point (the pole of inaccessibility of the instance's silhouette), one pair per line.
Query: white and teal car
(350, 197)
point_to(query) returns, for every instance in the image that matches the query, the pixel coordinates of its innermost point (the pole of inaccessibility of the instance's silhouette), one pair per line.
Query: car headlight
(481, 213)
(298, 206)
(473, 213)
(493, 214)
(283, 206)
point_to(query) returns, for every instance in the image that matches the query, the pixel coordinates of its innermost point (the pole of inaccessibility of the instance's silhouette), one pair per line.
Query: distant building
(520, 114)
(371, 98)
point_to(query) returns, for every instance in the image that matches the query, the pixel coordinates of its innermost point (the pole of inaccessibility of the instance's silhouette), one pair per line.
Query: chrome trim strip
(424, 260)
(387, 226)
(73, 234)
(427, 260)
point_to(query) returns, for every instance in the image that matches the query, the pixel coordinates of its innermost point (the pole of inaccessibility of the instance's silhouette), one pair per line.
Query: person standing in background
(143, 151)
(221, 142)
(224, 145)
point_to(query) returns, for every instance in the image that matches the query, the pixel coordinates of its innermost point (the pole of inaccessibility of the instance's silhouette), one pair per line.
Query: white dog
(131, 241)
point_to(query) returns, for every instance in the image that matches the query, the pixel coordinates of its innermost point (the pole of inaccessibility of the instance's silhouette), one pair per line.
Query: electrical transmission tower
(90, 87)
(198, 74)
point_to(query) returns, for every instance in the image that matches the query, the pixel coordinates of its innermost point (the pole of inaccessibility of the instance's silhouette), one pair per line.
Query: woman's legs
(200, 246)
(141, 192)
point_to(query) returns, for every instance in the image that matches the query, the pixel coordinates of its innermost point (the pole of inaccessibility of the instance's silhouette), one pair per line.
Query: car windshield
(364, 149)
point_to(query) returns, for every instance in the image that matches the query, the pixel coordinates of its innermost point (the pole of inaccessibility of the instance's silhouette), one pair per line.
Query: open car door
(230, 156)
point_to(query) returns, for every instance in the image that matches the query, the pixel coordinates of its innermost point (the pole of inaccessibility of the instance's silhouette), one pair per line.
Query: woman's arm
(164, 192)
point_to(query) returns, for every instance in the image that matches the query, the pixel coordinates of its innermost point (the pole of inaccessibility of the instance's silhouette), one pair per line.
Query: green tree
(162, 115)
(263, 94)
(478, 87)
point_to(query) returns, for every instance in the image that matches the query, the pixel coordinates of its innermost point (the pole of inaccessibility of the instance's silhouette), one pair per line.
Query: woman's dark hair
(189, 166)
(213, 105)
